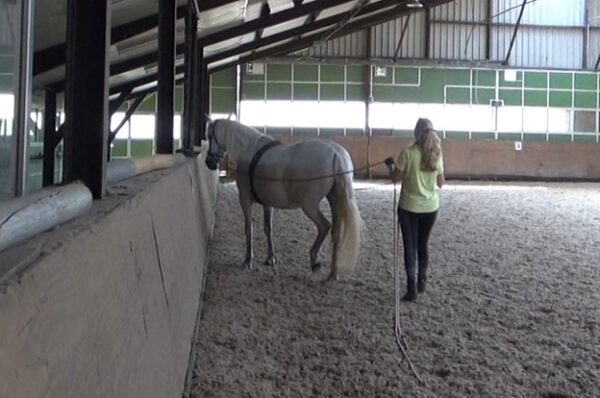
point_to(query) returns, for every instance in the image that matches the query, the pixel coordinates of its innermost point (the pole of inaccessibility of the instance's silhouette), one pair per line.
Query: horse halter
(213, 137)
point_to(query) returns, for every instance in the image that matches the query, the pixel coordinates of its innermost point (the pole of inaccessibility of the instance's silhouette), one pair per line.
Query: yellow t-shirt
(419, 188)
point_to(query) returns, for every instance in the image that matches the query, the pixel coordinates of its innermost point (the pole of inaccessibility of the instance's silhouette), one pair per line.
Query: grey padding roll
(24, 217)
(119, 169)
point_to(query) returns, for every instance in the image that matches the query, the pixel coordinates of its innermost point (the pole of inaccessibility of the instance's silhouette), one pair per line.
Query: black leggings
(416, 229)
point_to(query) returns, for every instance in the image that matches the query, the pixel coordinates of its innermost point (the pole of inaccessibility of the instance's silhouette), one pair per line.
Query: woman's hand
(395, 173)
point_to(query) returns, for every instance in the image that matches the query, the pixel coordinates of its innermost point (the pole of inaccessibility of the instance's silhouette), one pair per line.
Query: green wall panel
(223, 100)
(432, 85)
(509, 136)
(458, 77)
(407, 94)
(511, 97)
(457, 135)
(386, 93)
(396, 133)
(7, 64)
(456, 95)
(536, 79)
(584, 138)
(279, 130)
(332, 73)
(141, 147)
(356, 92)
(253, 90)
(504, 83)
(331, 132)
(224, 78)
(534, 137)
(535, 98)
(406, 76)
(6, 84)
(355, 132)
(306, 73)
(306, 91)
(483, 135)
(586, 81)
(253, 76)
(119, 148)
(179, 99)
(482, 96)
(559, 137)
(279, 91)
(561, 99)
(279, 72)
(356, 73)
(561, 80)
(482, 77)
(387, 79)
(586, 100)
(148, 105)
(304, 131)
(332, 92)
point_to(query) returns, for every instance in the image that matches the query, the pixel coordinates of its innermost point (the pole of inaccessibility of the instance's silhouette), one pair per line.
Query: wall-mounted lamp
(414, 4)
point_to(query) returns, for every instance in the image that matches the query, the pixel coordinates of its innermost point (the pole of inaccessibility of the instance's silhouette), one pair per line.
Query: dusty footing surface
(512, 307)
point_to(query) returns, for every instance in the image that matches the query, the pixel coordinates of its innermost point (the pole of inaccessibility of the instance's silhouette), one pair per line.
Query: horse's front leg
(247, 210)
(268, 221)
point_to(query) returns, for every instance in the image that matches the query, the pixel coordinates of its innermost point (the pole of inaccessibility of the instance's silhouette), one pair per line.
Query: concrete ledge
(105, 306)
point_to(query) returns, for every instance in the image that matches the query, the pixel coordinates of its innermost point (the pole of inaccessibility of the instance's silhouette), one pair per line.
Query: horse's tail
(348, 224)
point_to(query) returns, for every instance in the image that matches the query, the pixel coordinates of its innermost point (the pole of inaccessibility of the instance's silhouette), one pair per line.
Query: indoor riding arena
(145, 144)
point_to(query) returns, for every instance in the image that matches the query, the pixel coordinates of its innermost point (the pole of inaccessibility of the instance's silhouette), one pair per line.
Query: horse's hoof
(333, 277)
(315, 267)
(270, 261)
(248, 264)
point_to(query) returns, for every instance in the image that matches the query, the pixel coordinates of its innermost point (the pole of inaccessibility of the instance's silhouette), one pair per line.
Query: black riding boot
(411, 290)
(421, 283)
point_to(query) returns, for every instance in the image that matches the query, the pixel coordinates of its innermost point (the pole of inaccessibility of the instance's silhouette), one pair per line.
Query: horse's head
(215, 149)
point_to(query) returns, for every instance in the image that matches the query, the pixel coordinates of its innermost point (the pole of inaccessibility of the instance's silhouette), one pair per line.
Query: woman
(421, 169)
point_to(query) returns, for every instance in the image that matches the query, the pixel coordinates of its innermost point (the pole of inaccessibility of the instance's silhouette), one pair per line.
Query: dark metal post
(49, 137)
(165, 104)
(488, 32)
(191, 36)
(404, 28)
(514, 36)
(86, 96)
(427, 31)
(204, 103)
(198, 118)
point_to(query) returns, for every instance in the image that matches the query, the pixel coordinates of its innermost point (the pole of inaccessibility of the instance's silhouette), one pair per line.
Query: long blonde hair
(430, 144)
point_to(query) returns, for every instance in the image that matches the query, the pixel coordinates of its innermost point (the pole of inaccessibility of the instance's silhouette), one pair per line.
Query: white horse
(288, 177)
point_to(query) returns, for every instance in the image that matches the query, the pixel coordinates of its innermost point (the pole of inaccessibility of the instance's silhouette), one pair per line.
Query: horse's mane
(239, 136)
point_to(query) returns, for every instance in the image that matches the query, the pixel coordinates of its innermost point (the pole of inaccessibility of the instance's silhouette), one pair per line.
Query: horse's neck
(241, 141)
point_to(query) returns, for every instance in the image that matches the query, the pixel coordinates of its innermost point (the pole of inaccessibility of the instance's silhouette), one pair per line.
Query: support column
(165, 104)
(23, 57)
(49, 137)
(204, 103)
(86, 94)
(191, 36)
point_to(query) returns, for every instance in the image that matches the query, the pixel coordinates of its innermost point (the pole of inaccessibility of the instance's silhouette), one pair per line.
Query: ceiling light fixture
(414, 4)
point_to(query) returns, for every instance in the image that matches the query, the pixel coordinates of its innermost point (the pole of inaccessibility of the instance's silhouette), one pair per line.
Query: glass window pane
(9, 40)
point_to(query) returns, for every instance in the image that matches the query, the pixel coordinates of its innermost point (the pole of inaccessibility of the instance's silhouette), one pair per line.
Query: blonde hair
(429, 142)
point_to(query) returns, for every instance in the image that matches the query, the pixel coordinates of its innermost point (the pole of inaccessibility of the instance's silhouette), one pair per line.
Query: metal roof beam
(53, 57)
(309, 40)
(303, 10)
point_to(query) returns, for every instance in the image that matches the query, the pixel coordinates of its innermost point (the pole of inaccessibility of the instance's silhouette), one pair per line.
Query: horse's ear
(208, 119)
(230, 116)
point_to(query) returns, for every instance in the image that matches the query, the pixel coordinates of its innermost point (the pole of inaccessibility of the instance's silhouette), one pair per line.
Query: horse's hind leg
(247, 210)
(323, 227)
(268, 221)
(335, 236)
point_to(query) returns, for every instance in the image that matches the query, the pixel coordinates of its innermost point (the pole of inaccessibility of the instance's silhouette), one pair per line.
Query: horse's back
(300, 172)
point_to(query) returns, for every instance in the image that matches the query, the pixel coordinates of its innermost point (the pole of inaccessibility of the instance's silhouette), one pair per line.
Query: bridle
(213, 138)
